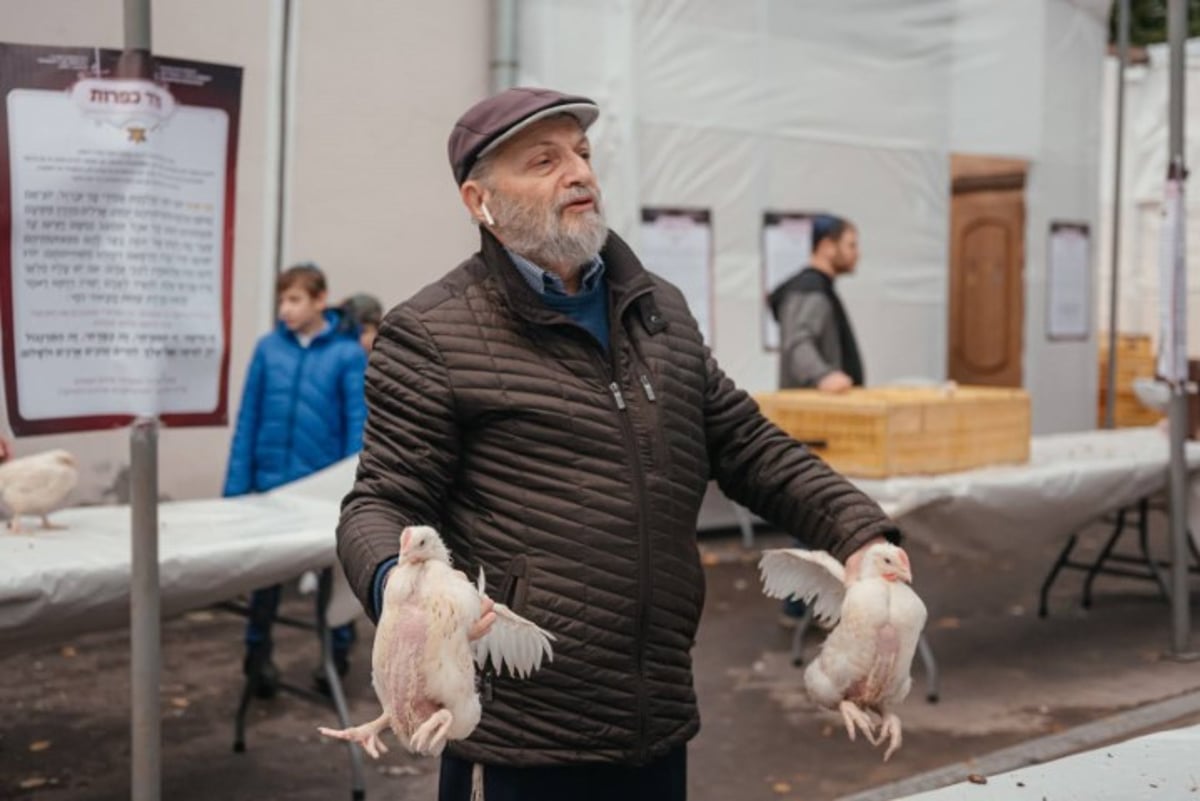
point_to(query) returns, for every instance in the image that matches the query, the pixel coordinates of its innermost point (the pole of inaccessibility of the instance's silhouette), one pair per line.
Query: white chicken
(877, 620)
(423, 662)
(37, 485)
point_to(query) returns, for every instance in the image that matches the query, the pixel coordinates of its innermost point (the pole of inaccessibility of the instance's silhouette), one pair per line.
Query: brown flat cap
(494, 120)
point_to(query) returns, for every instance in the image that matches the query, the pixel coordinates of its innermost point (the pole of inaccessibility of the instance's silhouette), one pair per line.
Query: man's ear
(472, 197)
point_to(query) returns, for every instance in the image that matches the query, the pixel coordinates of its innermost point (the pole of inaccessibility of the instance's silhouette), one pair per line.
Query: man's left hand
(486, 618)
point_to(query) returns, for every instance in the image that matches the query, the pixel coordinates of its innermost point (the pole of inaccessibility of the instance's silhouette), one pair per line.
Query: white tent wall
(749, 107)
(1063, 186)
(1144, 157)
(378, 88)
(852, 107)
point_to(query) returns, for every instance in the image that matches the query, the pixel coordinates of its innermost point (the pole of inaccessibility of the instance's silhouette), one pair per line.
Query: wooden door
(987, 266)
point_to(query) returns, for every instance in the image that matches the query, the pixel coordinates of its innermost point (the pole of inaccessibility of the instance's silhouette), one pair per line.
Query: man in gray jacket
(817, 344)
(551, 407)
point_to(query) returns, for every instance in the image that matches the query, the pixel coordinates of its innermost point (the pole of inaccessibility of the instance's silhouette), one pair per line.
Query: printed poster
(116, 221)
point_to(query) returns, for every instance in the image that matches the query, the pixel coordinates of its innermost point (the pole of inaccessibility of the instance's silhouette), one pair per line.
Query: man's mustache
(578, 193)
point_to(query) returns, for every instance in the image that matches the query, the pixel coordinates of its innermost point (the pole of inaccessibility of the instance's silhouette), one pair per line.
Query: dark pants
(264, 606)
(662, 780)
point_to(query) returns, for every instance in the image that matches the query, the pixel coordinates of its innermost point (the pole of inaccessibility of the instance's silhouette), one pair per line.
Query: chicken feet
(366, 735)
(853, 716)
(430, 736)
(890, 730)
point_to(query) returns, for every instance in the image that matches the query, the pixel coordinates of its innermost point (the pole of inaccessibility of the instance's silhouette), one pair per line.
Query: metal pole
(1180, 598)
(144, 611)
(137, 25)
(1110, 404)
(504, 45)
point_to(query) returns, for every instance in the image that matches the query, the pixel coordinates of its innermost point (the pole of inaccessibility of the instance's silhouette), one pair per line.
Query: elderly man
(551, 407)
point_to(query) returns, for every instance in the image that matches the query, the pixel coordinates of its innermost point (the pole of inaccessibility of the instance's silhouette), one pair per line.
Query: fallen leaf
(40, 745)
(948, 623)
(32, 783)
(69, 652)
(710, 559)
(781, 788)
(180, 703)
(977, 778)
(200, 616)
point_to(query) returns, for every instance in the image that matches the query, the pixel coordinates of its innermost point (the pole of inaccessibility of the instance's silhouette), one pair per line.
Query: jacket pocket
(514, 586)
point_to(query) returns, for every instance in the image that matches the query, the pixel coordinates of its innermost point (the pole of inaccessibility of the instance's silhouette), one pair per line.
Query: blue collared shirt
(544, 282)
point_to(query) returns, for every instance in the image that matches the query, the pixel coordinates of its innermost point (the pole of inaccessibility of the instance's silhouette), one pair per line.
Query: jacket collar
(334, 327)
(627, 279)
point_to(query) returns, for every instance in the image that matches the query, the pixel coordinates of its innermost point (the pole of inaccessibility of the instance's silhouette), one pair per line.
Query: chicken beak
(405, 541)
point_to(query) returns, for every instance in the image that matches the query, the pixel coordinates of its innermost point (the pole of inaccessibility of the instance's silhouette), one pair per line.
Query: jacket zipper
(639, 483)
(291, 427)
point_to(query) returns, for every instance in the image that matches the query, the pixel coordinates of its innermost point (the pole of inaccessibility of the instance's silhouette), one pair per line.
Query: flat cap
(500, 117)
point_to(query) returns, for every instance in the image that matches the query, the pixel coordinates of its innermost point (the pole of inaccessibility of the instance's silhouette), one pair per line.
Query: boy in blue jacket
(302, 410)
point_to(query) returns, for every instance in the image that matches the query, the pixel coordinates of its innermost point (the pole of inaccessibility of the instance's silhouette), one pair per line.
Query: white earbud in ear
(487, 215)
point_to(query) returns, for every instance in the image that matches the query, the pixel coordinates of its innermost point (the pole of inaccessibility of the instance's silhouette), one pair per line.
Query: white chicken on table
(876, 620)
(37, 485)
(423, 661)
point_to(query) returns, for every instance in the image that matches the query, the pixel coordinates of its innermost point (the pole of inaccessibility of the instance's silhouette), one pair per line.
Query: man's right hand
(837, 381)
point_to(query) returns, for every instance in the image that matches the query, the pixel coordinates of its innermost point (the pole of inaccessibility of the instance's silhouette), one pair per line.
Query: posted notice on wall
(787, 247)
(116, 207)
(677, 244)
(1069, 286)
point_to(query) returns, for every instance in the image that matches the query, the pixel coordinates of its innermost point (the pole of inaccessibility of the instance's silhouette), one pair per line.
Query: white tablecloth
(63, 582)
(59, 583)
(1070, 480)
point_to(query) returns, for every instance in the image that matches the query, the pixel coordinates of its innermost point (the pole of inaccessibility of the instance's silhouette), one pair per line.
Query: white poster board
(1069, 284)
(677, 244)
(787, 247)
(118, 263)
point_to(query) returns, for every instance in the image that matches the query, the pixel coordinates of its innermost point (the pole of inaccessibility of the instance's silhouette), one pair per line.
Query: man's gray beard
(540, 234)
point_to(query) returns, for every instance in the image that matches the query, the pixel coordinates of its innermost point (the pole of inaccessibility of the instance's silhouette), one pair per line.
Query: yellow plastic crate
(1135, 359)
(889, 431)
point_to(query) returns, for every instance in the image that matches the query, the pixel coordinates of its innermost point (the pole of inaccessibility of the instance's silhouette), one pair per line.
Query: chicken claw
(366, 735)
(890, 730)
(852, 715)
(430, 737)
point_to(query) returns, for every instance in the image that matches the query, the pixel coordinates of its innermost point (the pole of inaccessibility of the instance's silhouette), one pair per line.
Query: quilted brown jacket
(574, 478)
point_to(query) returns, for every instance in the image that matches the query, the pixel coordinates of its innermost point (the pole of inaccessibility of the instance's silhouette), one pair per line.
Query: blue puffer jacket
(302, 408)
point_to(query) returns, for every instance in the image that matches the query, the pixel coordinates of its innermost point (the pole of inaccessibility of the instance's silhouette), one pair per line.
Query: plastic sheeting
(851, 106)
(59, 583)
(1156, 766)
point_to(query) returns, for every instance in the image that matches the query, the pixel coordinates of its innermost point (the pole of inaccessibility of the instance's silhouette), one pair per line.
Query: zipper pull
(617, 396)
(648, 387)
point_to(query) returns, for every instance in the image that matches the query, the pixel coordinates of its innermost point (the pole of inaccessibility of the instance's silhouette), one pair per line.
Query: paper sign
(1069, 282)
(787, 248)
(117, 204)
(677, 244)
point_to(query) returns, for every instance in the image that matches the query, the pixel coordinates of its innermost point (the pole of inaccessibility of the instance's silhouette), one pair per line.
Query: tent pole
(1110, 395)
(1176, 330)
